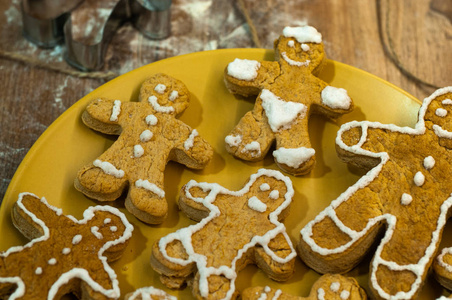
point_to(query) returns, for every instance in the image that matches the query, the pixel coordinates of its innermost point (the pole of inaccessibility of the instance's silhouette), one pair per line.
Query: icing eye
(291, 43)
(274, 194)
(264, 187)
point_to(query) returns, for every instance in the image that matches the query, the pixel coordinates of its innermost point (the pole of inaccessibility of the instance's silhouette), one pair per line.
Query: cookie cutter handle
(152, 17)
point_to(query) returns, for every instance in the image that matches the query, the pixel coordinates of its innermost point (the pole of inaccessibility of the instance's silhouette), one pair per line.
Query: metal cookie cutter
(89, 25)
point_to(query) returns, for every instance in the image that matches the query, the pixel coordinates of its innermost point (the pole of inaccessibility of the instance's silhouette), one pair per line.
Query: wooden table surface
(404, 42)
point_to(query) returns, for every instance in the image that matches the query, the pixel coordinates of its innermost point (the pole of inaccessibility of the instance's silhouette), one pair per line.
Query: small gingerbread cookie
(406, 195)
(442, 267)
(327, 287)
(149, 136)
(65, 255)
(149, 293)
(235, 228)
(289, 92)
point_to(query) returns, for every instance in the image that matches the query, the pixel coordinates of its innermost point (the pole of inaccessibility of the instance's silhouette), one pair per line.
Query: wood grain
(355, 32)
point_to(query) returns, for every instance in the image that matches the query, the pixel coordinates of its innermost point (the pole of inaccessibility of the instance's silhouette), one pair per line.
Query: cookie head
(269, 194)
(439, 110)
(300, 47)
(105, 225)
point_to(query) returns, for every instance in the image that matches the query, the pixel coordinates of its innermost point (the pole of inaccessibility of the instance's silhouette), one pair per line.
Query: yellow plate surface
(49, 168)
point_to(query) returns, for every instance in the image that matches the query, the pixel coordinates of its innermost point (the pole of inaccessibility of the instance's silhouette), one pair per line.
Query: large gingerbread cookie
(65, 255)
(235, 228)
(289, 92)
(149, 136)
(327, 287)
(406, 195)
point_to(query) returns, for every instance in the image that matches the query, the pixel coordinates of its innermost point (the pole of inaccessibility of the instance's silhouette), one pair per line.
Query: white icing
(305, 47)
(264, 187)
(256, 204)
(113, 228)
(116, 110)
(107, 220)
(151, 120)
(303, 34)
(262, 296)
(188, 144)
(254, 146)
(441, 112)
(66, 251)
(160, 88)
(440, 259)
(274, 194)
(146, 293)
(243, 69)
(158, 108)
(442, 133)
(293, 157)
(429, 162)
(291, 43)
(138, 151)
(336, 98)
(419, 268)
(76, 239)
(38, 271)
(146, 136)
(335, 286)
(447, 102)
(267, 289)
(281, 114)
(145, 184)
(277, 294)
(97, 234)
(184, 234)
(233, 140)
(406, 199)
(52, 261)
(419, 179)
(345, 295)
(173, 96)
(75, 272)
(295, 62)
(108, 168)
(320, 294)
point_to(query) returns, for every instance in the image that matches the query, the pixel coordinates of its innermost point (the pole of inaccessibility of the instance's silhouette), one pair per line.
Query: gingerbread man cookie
(149, 136)
(65, 255)
(442, 266)
(289, 92)
(406, 194)
(149, 293)
(327, 287)
(235, 228)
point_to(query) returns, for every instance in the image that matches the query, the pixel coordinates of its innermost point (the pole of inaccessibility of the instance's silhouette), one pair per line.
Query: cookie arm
(330, 101)
(281, 248)
(239, 80)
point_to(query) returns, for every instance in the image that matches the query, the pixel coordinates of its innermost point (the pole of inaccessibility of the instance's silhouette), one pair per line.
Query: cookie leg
(216, 287)
(251, 139)
(96, 183)
(147, 202)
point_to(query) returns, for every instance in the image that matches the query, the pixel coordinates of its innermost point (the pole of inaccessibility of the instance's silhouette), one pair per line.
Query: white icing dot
(76, 239)
(188, 144)
(113, 228)
(274, 194)
(52, 261)
(151, 120)
(116, 110)
(163, 109)
(265, 187)
(95, 231)
(138, 151)
(108, 168)
(406, 199)
(293, 157)
(281, 114)
(335, 286)
(419, 178)
(291, 43)
(321, 294)
(145, 184)
(243, 69)
(441, 112)
(303, 34)
(233, 140)
(305, 47)
(336, 98)
(256, 204)
(38, 271)
(146, 136)
(429, 162)
(345, 295)
(160, 88)
(173, 96)
(447, 101)
(66, 251)
(107, 220)
(267, 289)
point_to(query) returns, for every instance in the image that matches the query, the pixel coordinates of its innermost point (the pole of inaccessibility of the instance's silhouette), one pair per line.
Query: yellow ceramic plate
(50, 166)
